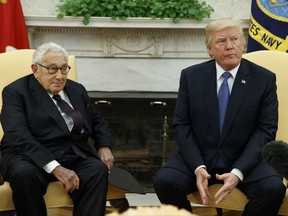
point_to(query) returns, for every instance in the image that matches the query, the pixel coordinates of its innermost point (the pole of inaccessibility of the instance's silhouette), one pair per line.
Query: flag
(268, 27)
(12, 26)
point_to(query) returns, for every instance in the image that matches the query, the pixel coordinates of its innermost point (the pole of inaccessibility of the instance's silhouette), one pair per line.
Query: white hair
(45, 48)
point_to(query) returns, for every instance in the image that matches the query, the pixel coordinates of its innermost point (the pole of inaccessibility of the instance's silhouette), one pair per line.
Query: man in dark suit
(230, 153)
(42, 142)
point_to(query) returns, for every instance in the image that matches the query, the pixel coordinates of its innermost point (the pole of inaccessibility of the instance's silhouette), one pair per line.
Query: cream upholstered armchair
(278, 63)
(14, 65)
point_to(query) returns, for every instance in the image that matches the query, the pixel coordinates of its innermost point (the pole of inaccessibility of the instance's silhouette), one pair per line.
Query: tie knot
(226, 75)
(57, 97)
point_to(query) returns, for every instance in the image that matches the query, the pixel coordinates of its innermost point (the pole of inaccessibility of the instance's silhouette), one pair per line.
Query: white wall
(106, 57)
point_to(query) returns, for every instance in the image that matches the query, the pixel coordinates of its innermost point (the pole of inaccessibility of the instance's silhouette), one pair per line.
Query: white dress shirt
(69, 121)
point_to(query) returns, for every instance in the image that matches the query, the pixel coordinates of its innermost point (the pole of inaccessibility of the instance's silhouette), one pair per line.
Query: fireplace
(140, 128)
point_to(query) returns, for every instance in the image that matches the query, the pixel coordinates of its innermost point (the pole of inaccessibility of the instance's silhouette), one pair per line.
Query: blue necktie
(223, 98)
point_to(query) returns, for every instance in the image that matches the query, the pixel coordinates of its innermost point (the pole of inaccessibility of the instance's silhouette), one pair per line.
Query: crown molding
(107, 22)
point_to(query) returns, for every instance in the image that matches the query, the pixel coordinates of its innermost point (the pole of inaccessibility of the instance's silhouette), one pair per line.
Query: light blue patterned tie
(223, 98)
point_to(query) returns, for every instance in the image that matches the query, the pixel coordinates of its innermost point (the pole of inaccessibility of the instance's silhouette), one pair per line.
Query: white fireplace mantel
(136, 54)
(107, 22)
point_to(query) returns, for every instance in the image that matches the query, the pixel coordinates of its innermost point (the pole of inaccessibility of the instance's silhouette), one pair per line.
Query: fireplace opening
(140, 129)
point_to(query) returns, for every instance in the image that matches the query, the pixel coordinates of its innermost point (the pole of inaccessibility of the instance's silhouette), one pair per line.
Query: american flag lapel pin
(243, 81)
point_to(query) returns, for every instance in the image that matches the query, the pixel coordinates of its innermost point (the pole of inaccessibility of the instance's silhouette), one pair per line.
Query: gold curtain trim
(3, 1)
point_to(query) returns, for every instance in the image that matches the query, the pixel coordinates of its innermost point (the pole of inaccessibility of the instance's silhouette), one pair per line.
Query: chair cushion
(6, 203)
(284, 207)
(56, 196)
(234, 201)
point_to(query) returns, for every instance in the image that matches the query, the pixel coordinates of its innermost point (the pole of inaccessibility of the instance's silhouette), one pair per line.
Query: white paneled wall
(131, 55)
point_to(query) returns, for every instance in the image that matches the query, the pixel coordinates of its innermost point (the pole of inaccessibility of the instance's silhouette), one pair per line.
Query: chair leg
(219, 211)
(8, 213)
(121, 204)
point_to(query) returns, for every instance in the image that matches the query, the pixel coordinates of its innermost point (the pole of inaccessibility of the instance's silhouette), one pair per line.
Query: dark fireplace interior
(140, 128)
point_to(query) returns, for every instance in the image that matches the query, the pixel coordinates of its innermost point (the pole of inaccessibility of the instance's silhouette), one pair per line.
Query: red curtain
(12, 26)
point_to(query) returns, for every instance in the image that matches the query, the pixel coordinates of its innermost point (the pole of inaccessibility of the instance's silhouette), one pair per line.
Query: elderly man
(47, 120)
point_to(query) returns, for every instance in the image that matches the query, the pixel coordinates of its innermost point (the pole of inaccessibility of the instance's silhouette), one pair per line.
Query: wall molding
(134, 37)
(107, 22)
(137, 54)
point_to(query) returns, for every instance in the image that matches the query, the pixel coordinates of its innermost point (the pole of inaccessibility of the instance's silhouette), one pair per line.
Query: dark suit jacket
(34, 127)
(251, 120)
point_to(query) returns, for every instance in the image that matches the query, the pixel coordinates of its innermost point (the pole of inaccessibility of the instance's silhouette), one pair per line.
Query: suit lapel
(74, 96)
(46, 103)
(211, 101)
(238, 92)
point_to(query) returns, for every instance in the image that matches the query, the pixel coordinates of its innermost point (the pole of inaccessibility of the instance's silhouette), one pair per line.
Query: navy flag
(268, 27)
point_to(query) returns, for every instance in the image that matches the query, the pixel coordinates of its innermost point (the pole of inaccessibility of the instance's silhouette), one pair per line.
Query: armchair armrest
(1, 178)
(285, 182)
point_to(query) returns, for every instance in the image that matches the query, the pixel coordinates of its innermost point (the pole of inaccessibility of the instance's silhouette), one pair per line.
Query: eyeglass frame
(60, 68)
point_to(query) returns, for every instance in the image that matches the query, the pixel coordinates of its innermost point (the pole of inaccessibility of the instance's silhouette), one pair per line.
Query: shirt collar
(220, 71)
(61, 93)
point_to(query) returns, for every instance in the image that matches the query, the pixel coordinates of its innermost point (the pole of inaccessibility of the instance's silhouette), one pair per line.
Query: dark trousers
(265, 195)
(29, 184)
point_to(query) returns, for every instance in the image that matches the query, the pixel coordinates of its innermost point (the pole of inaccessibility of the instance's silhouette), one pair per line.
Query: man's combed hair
(221, 24)
(47, 47)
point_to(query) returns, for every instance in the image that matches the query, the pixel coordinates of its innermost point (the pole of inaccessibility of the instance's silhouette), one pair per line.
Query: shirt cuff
(50, 166)
(238, 173)
(199, 167)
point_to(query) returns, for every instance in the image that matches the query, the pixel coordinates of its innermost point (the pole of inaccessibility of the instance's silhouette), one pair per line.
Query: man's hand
(230, 182)
(68, 178)
(202, 184)
(106, 156)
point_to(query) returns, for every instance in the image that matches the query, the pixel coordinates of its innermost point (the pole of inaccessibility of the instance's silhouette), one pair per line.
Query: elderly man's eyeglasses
(53, 69)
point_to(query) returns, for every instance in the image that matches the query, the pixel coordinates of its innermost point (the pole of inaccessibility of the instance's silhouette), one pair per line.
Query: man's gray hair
(45, 48)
